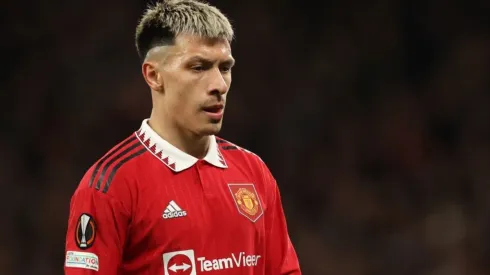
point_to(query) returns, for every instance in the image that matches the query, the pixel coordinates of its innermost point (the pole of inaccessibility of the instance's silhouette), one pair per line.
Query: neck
(190, 143)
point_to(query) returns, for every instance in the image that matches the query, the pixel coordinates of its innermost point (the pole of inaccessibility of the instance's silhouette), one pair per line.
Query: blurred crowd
(373, 116)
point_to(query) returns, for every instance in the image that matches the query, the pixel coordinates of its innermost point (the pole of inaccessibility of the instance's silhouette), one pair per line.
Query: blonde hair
(161, 23)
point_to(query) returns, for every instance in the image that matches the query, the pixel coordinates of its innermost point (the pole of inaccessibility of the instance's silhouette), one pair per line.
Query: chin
(210, 129)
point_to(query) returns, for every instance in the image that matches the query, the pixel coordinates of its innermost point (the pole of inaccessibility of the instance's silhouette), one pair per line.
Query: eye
(225, 69)
(198, 68)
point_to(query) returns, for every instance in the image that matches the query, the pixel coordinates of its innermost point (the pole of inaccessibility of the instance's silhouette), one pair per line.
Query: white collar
(171, 156)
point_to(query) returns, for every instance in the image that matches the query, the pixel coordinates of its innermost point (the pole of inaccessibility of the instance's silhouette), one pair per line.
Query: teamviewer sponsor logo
(179, 262)
(235, 260)
(183, 262)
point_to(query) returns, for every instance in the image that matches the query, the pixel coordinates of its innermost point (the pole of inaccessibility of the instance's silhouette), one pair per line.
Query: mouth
(215, 112)
(214, 108)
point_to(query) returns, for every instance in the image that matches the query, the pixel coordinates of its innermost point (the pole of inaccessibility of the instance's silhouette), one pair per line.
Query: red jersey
(148, 208)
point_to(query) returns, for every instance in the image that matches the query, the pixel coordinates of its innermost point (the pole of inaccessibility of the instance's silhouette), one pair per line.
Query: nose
(217, 82)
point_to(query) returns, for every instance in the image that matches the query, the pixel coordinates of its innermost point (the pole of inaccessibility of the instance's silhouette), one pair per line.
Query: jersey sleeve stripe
(229, 147)
(114, 159)
(117, 166)
(218, 140)
(110, 154)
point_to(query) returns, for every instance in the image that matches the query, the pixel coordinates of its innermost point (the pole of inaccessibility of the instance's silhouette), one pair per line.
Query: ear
(152, 75)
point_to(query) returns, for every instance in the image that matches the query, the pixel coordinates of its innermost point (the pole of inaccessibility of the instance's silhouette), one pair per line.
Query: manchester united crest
(247, 200)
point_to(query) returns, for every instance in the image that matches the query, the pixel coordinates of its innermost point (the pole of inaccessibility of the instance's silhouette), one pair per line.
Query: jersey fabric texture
(146, 207)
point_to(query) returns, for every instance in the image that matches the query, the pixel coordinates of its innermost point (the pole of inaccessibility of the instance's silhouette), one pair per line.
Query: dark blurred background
(373, 116)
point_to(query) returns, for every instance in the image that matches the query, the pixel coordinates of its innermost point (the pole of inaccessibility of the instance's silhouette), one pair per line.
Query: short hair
(164, 21)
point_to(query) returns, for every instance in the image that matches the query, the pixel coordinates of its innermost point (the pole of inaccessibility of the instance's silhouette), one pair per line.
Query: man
(172, 198)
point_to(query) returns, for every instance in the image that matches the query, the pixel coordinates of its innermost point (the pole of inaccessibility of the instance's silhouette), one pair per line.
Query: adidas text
(175, 214)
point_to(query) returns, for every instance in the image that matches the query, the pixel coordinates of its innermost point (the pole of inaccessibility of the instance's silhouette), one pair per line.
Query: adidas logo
(173, 211)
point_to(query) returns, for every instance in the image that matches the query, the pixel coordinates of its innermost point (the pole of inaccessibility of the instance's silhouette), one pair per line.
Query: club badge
(247, 200)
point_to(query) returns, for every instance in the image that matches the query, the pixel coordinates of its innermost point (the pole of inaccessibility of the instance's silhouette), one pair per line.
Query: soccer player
(173, 198)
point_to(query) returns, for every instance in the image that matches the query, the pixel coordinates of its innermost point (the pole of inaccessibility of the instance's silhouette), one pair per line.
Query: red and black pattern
(226, 145)
(106, 168)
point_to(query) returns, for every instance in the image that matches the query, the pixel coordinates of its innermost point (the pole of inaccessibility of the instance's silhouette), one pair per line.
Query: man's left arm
(281, 256)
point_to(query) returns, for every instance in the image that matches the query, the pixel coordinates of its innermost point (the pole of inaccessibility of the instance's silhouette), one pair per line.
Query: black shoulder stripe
(229, 147)
(117, 166)
(101, 161)
(114, 159)
(220, 141)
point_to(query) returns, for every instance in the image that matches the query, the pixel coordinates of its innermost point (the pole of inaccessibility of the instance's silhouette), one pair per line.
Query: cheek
(227, 78)
(185, 101)
(184, 97)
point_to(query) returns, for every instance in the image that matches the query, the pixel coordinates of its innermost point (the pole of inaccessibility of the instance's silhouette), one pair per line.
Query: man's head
(184, 46)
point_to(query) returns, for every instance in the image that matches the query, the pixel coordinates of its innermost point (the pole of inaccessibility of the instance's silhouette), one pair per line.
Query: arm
(281, 257)
(97, 228)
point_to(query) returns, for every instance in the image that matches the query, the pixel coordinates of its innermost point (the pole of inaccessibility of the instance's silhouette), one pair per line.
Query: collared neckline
(171, 156)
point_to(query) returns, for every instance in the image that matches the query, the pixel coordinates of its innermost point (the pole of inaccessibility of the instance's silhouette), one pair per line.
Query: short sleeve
(97, 229)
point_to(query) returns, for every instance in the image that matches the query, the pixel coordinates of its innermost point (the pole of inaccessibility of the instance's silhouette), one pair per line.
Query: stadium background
(373, 115)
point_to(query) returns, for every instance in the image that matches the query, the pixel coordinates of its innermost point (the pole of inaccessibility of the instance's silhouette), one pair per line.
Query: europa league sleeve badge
(85, 232)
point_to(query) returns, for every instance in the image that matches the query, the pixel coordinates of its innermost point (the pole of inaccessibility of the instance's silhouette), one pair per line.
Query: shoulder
(237, 155)
(234, 151)
(245, 160)
(115, 168)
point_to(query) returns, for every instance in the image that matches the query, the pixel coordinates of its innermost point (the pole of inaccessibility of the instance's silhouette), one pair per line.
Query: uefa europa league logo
(85, 233)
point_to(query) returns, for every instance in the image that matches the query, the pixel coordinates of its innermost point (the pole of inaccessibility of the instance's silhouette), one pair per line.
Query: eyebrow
(229, 61)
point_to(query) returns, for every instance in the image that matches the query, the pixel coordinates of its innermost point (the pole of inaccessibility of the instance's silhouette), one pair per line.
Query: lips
(214, 108)
(215, 112)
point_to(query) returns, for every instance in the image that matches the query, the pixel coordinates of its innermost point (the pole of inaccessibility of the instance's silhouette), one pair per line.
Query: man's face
(196, 76)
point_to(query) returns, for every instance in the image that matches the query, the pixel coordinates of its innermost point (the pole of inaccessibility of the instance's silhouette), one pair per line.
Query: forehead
(212, 48)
